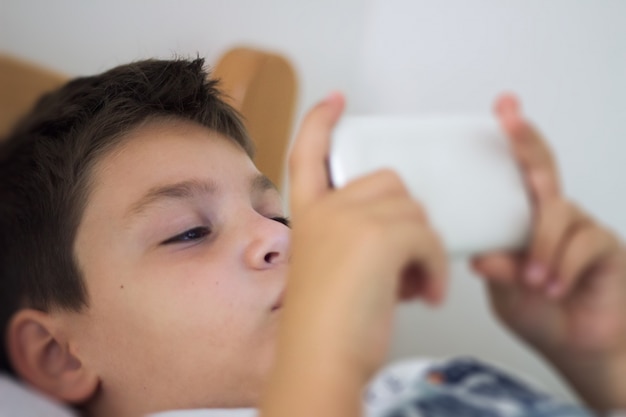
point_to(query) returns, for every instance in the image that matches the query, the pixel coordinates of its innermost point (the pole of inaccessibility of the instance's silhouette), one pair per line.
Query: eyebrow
(186, 190)
(261, 183)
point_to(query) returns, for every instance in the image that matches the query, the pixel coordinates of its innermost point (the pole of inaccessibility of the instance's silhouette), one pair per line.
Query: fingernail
(535, 274)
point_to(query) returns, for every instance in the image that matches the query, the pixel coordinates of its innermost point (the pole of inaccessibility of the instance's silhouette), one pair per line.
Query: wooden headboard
(21, 84)
(261, 85)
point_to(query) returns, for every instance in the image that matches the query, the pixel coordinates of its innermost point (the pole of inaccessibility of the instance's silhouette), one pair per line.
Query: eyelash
(202, 232)
(185, 236)
(284, 220)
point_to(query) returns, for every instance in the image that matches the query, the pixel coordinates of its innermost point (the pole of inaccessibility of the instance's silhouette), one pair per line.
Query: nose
(268, 244)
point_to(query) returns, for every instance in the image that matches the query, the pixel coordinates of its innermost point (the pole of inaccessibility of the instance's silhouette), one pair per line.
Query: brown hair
(45, 167)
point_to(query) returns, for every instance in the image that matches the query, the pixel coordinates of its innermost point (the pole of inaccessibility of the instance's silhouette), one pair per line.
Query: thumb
(307, 162)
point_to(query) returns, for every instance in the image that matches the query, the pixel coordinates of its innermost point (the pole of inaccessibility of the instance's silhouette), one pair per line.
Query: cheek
(191, 324)
(217, 303)
(169, 320)
(202, 303)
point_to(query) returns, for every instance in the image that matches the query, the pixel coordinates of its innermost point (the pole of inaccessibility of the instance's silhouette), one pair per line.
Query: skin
(180, 319)
(197, 311)
(565, 295)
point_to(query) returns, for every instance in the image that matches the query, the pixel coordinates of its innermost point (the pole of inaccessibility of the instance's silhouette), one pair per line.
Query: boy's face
(184, 258)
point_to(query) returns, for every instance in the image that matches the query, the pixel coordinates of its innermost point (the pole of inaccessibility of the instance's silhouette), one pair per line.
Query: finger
(413, 247)
(555, 221)
(498, 268)
(380, 184)
(398, 209)
(530, 149)
(426, 255)
(307, 162)
(586, 249)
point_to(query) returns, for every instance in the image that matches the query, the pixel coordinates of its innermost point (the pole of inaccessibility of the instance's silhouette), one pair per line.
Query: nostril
(269, 258)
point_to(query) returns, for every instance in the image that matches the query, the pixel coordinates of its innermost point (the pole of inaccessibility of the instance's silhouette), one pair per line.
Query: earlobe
(41, 355)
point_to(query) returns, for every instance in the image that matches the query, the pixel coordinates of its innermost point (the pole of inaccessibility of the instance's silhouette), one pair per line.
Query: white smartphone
(461, 169)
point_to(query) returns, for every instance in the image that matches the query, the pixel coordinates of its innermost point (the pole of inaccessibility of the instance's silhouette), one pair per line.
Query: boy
(146, 259)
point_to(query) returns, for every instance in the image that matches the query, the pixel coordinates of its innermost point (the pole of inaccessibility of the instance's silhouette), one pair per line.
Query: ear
(40, 354)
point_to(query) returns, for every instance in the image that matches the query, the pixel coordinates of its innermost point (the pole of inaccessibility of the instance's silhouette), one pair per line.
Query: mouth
(279, 302)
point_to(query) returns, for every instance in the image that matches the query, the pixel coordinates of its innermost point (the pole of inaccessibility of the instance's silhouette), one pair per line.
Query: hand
(355, 251)
(566, 294)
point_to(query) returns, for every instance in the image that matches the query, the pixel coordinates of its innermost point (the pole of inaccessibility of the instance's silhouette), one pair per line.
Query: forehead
(164, 150)
(165, 153)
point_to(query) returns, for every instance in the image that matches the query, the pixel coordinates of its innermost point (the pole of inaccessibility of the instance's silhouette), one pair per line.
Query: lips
(279, 302)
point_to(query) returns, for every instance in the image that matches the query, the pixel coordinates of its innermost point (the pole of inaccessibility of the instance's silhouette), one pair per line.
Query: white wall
(565, 58)
(83, 37)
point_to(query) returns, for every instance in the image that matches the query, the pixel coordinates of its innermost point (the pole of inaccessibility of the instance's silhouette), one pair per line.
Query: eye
(283, 220)
(191, 235)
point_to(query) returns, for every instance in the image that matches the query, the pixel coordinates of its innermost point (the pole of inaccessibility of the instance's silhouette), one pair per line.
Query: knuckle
(555, 210)
(562, 207)
(415, 212)
(392, 180)
(389, 175)
(380, 182)
(574, 213)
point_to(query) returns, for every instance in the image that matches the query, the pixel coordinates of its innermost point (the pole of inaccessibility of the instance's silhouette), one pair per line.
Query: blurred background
(566, 59)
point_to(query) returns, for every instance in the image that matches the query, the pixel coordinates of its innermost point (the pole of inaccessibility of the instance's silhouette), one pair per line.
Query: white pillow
(17, 400)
